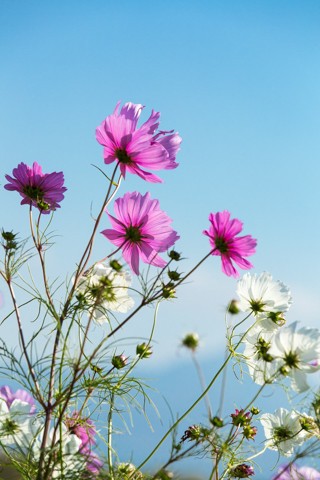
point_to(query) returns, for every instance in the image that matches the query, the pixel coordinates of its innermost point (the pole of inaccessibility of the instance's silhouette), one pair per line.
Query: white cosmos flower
(69, 462)
(297, 353)
(261, 364)
(105, 290)
(264, 297)
(283, 430)
(18, 427)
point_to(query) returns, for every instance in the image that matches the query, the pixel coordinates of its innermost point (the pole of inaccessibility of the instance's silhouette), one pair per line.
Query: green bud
(284, 370)
(255, 411)
(174, 255)
(168, 290)
(144, 350)
(119, 361)
(191, 340)
(9, 240)
(173, 275)
(217, 422)
(233, 307)
(277, 318)
(115, 265)
(8, 236)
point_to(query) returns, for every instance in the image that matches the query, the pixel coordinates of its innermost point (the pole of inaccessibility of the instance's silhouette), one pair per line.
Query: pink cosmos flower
(224, 242)
(85, 430)
(137, 148)
(293, 472)
(42, 190)
(141, 229)
(9, 396)
(242, 471)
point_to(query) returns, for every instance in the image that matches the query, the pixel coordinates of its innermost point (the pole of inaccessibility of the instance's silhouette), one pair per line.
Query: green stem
(110, 464)
(203, 385)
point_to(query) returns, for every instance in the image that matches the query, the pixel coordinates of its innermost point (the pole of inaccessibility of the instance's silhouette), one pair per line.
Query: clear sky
(239, 80)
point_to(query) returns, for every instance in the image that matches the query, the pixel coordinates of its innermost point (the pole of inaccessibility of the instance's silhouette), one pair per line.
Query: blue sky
(238, 79)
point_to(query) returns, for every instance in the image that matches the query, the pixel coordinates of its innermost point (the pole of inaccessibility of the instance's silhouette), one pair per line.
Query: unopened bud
(115, 265)
(168, 290)
(119, 361)
(217, 422)
(9, 240)
(249, 432)
(233, 307)
(277, 318)
(174, 275)
(193, 433)
(255, 411)
(284, 370)
(144, 350)
(242, 471)
(174, 255)
(191, 340)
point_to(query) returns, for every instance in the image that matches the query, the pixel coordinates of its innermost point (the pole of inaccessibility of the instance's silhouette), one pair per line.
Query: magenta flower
(293, 472)
(137, 148)
(9, 396)
(141, 229)
(242, 471)
(85, 430)
(42, 190)
(224, 242)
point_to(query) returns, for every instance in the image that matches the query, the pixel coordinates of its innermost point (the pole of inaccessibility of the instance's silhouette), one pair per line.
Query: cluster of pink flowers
(140, 228)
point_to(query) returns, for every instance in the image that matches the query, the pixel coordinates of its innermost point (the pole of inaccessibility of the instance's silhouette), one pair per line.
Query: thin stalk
(110, 464)
(38, 245)
(203, 384)
(23, 344)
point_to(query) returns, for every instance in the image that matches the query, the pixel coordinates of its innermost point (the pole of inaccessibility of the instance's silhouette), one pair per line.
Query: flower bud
(233, 307)
(193, 433)
(119, 361)
(284, 370)
(191, 340)
(277, 318)
(242, 471)
(115, 265)
(168, 290)
(174, 275)
(255, 411)
(9, 240)
(174, 255)
(240, 418)
(249, 432)
(217, 422)
(144, 350)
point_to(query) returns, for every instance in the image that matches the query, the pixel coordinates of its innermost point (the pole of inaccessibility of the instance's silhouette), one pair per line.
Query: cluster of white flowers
(271, 349)
(105, 289)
